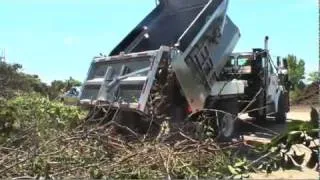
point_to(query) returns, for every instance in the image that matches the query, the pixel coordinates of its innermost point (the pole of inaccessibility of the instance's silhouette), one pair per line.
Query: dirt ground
(288, 174)
(302, 113)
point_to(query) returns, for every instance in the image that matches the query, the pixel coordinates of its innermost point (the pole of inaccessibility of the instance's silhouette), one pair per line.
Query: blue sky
(57, 39)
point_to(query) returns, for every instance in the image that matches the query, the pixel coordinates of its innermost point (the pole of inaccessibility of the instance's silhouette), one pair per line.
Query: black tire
(259, 116)
(228, 121)
(229, 127)
(281, 115)
(287, 101)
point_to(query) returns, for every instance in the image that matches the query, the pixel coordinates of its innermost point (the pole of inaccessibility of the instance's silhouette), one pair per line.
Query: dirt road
(254, 134)
(288, 174)
(301, 112)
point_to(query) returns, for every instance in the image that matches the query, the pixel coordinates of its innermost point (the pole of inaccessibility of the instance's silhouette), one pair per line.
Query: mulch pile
(310, 95)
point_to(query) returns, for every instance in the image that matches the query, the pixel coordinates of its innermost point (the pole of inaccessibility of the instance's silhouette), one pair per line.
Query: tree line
(13, 82)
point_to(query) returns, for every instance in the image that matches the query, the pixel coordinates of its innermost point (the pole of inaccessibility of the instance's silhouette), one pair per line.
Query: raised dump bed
(167, 24)
(193, 37)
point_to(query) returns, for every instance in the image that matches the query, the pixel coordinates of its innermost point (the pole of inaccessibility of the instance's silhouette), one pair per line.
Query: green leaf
(261, 166)
(239, 176)
(232, 170)
(239, 164)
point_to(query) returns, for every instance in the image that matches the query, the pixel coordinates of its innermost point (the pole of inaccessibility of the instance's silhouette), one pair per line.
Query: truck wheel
(215, 124)
(228, 127)
(228, 120)
(281, 116)
(259, 115)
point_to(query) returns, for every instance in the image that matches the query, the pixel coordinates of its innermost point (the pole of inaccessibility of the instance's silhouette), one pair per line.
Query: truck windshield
(243, 61)
(239, 61)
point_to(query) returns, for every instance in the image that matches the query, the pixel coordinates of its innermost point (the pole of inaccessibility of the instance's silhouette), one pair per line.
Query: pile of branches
(310, 95)
(98, 153)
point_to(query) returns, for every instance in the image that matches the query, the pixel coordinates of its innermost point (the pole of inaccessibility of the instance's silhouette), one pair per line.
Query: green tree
(72, 82)
(296, 69)
(314, 77)
(58, 87)
(13, 81)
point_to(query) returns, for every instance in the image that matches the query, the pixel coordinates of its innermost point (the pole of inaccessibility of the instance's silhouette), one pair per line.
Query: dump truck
(178, 64)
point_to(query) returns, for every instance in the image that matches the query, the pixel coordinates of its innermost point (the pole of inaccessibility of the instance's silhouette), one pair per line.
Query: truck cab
(72, 96)
(267, 83)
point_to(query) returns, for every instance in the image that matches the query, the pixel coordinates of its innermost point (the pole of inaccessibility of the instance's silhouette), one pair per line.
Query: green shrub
(34, 111)
(295, 95)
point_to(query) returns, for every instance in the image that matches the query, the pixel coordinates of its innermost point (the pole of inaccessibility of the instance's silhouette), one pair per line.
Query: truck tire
(228, 121)
(228, 130)
(259, 116)
(281, 115)
(287, 101)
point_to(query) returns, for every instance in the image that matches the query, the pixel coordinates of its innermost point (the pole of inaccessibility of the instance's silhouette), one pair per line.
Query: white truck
(72, 96)
(178, 61)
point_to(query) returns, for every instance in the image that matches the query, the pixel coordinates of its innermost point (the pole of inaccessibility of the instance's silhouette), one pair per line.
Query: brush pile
(46, 140)
(310, 95)
(95, 153)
